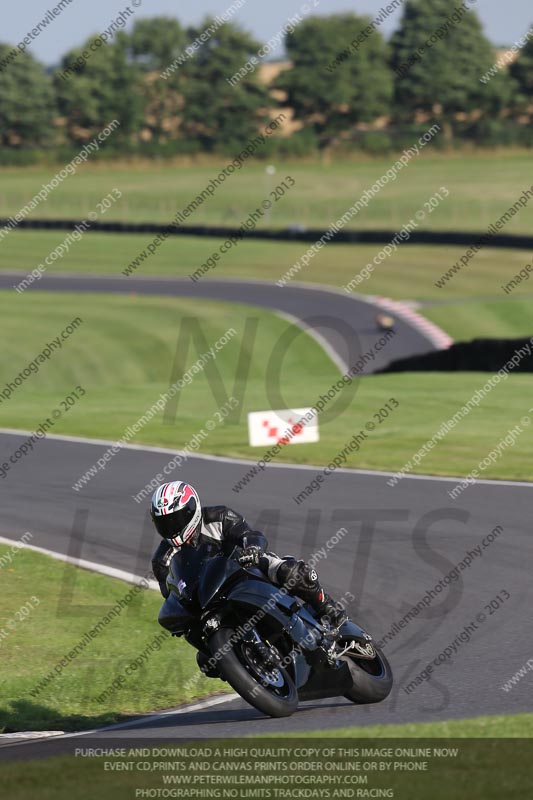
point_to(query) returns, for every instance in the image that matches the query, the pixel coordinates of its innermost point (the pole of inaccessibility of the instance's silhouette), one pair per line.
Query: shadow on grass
(25, 715)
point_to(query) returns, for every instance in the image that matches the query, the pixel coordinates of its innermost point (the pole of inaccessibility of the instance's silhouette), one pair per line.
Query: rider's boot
(325, 606)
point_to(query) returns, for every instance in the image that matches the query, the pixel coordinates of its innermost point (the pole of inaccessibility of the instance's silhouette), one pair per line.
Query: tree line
(346, 85)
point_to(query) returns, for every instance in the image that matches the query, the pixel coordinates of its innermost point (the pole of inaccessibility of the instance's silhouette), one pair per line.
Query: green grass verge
(72, 602)
(123, 353)
(123, 356)
(411, 272)
(496, 727)
(507, 319)
(481, 186)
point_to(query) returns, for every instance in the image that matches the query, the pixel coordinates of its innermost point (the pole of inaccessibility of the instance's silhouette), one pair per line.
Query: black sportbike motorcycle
(267, 644)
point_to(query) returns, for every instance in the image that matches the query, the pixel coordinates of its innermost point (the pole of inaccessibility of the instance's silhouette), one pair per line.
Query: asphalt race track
(346, 323)
(388, 560)
(400, 542)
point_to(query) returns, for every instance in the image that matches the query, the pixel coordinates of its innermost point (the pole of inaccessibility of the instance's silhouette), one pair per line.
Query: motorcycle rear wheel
(270, 691)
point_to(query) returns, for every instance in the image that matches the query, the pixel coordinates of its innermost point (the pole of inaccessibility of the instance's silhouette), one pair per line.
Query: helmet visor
(171, 526)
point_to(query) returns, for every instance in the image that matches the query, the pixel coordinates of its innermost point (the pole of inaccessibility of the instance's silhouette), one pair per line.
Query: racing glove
(250, 556)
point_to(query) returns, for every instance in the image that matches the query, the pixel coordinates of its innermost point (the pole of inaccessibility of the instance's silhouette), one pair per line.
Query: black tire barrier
(478, 355)
(452, 238)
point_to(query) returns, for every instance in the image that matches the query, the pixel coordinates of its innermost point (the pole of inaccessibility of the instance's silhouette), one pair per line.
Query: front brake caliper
(211, 624)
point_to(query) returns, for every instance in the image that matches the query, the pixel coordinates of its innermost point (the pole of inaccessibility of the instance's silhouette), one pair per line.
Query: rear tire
(234, 669)
(372, 682)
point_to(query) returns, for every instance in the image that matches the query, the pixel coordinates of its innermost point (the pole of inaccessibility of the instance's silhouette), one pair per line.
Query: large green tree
(522, 71)
(106, 86)
(27, 106)
(154, 46)
(217, 114)
(333, 85)
(155, 42)
(439, 54)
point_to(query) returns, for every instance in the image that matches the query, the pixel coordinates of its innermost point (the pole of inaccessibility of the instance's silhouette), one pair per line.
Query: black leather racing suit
(223, 528)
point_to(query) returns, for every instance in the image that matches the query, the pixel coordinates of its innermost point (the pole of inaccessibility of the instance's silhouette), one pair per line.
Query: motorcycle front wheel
(270, 690)
(371, 679)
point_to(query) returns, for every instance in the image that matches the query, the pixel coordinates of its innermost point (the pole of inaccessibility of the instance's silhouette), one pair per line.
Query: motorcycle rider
(181, 521)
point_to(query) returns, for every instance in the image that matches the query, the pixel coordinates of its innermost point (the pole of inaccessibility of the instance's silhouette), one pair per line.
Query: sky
(504, 21)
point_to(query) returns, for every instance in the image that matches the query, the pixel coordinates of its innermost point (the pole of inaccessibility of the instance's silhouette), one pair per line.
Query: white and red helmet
(176, 512)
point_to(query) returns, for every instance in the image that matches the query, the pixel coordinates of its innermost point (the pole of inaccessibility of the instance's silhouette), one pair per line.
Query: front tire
(371, 680)
(240, 672)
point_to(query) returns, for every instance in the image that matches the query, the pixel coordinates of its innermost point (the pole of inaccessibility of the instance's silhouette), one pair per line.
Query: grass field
(507, 318)
(71, 602)
(123, 354)
(482, 186)
(410, 273)
(126, 348)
